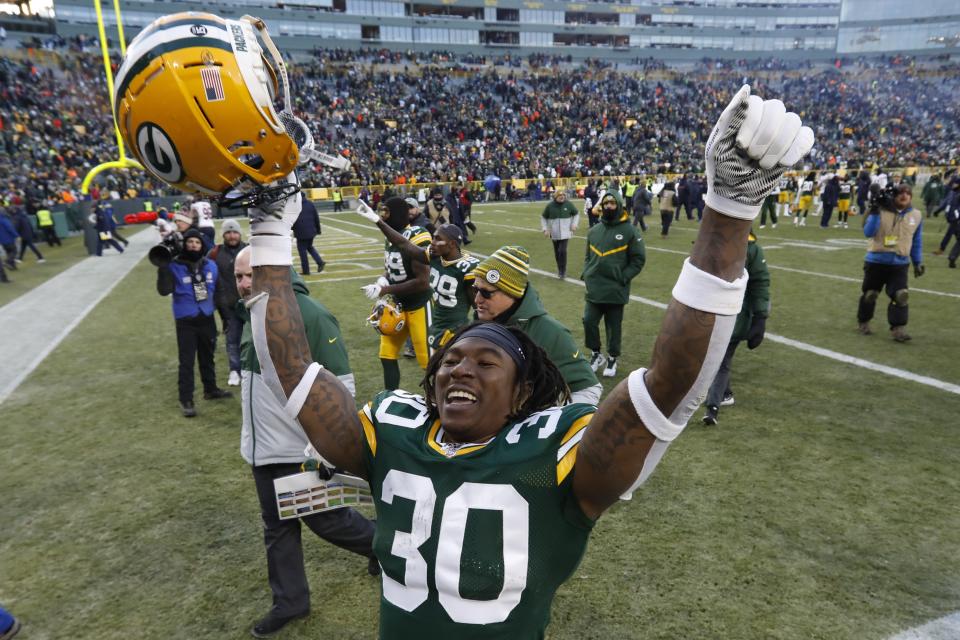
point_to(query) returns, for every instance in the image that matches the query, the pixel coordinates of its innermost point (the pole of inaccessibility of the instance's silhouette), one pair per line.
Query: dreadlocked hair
(543, 380)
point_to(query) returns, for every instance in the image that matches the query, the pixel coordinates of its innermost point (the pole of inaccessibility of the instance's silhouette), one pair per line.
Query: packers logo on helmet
(194, 102)
(387, 317)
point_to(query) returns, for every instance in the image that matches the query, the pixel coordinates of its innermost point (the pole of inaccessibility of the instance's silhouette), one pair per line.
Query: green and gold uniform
(474, 541)
(451, 283)
(416, 307)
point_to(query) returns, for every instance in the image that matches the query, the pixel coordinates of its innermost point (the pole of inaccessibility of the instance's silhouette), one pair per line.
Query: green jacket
(757, 299)
(932, 192)
(615, 255)
(554, 338)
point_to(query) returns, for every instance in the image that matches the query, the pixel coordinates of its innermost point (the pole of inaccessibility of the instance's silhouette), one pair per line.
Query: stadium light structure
(122, 162)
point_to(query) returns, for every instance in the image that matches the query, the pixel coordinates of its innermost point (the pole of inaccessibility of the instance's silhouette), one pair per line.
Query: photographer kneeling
(895, 230)
(192, 279)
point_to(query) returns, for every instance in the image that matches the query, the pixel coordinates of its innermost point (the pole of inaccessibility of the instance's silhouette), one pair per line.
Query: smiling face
(490, 301)
(475, 390)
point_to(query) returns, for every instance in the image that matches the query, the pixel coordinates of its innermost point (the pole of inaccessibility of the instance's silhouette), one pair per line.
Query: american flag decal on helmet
(212, 84)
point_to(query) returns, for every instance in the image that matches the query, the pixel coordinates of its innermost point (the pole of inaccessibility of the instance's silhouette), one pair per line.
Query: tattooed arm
(329, 415)
(616, 445)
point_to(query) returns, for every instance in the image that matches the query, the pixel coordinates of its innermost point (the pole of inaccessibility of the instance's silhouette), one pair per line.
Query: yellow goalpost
(123, 162)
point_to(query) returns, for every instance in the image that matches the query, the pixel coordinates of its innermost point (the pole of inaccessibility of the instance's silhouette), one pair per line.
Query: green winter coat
(554, 338)
(932, 192)
(323, 334)
(756, 301)
(615, 255)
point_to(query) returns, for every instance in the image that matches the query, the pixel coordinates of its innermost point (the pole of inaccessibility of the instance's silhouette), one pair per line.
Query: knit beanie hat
(506, 269)
(230, 225)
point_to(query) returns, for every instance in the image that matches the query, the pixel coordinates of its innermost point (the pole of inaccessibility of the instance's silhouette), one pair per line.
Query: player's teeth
(453, 395)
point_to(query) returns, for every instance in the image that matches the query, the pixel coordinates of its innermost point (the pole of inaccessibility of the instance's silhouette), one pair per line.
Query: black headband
(500, 336)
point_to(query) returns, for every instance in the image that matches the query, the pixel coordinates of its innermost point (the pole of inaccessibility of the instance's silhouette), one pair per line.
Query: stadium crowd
(435, 116)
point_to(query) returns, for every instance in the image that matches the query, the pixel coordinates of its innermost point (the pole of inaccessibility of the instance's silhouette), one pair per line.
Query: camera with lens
(882, 198)
(169, 248)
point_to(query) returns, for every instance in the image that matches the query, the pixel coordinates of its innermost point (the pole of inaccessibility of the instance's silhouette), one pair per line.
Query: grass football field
(824, 504)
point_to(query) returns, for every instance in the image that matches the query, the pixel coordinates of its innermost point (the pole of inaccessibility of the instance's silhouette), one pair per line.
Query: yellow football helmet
(387, 317)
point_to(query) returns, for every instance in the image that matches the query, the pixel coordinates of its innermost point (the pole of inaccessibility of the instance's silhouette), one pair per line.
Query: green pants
(612, 315)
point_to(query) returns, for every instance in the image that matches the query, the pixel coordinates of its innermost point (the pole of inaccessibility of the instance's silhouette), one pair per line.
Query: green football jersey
(399, 269)
(450, 283)
(474, 540)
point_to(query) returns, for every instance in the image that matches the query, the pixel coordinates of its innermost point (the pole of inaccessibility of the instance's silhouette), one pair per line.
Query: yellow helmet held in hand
(194, 103)
(387, 317)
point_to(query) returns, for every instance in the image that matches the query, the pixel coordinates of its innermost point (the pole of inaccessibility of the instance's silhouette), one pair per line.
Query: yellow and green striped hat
(506, 269)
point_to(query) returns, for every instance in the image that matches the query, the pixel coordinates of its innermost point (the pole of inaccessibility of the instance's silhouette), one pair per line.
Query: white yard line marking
(44, 316)
(945, 628)
(802, 346)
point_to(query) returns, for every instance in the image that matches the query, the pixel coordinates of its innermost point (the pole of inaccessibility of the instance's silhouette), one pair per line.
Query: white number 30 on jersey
(413, 591)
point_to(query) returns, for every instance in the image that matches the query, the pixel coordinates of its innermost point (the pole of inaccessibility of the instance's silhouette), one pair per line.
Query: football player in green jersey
(486, 487)
(451, 277)
(409, 282)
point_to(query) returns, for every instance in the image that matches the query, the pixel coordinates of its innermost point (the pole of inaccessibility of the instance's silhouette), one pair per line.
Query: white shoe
(796, 222)
(844, 225)
(611, 369)
(40, 261)
(773, 226)
(234, 379)
(803, 222)
(596, 361)
(763, 226)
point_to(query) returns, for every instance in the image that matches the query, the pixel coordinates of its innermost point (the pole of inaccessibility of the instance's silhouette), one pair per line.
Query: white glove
(270, 227)
(366, 212)
(372, 291)
(752, 144)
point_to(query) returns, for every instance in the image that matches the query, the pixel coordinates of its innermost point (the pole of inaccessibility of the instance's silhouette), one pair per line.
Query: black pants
(825, 216)
(337, 205)
(612, 315)
(666, 217)
(953, 229)
(50, 235)
(196, 338)
(721, 383)
(28, 244)
(560, 253)
(304, 247)
(875, 278)
(345, 528)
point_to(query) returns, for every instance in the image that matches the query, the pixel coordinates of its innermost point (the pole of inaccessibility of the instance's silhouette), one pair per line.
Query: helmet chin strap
(296, 128)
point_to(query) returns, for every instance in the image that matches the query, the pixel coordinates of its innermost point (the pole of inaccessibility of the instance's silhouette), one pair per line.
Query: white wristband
(731, 208)
(706, 292)
(653, 419)
(299, 395)
(268, 251)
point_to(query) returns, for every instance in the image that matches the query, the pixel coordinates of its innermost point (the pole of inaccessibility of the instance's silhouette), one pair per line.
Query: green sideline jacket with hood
(756, 300)
(615, 255)
(554, 338)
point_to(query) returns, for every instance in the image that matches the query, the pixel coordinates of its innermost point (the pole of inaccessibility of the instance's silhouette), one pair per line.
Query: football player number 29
(413, 591)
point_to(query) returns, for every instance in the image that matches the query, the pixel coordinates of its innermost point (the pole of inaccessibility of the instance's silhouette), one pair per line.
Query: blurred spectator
(22, 224)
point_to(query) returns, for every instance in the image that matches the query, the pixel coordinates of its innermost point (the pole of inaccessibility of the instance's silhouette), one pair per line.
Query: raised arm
(750, 147)
(407, 248)
(316, 397)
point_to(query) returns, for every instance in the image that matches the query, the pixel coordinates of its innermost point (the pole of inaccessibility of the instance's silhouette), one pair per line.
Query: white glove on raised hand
(750, 147)
(372, 291)
(270, 225)
(366, 212)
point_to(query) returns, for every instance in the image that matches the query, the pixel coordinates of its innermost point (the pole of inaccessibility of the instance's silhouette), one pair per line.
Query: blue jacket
(24, 228)
(916, 248)
(178, 280)
(8, 235)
